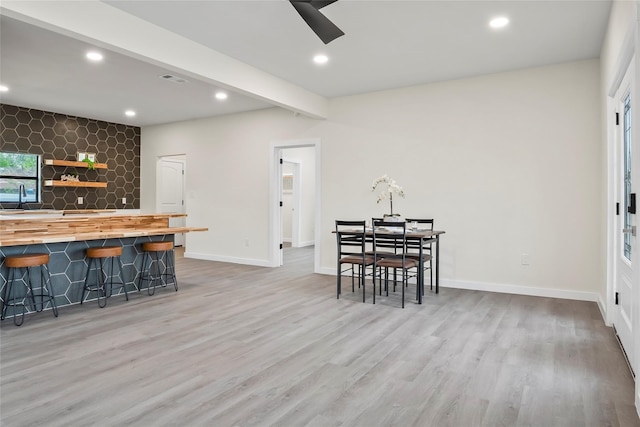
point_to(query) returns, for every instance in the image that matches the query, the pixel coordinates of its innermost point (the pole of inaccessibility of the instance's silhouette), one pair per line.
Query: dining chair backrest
(387, 227)
(423, 224)
(388, 242)
(426, 224)
(350, 236)
(388, 234)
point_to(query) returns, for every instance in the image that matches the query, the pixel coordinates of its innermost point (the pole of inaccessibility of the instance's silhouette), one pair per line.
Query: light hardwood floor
(240, 345)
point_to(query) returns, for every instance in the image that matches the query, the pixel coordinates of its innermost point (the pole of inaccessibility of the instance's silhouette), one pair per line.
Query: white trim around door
(275, 190)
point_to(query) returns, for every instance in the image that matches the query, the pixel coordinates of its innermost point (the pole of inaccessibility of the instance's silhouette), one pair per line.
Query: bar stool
(97, 258)
(14, 264)
(155, 252)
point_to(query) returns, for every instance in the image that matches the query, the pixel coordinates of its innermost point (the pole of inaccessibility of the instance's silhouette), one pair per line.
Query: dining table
(421, 237)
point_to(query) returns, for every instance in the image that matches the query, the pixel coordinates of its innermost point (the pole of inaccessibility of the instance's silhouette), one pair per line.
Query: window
(626, 132)
(19, 178)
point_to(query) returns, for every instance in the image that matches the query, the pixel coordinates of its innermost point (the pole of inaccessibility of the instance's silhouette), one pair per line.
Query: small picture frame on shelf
(83, 155)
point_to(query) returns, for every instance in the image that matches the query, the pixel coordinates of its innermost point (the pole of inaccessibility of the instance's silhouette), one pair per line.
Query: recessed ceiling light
(221, 96)
(499, 22)
(94, 56)
(130, 113)
(321, 59)
(4, 88)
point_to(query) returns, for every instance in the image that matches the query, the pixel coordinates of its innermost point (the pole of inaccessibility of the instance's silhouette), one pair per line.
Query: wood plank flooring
(251, 346)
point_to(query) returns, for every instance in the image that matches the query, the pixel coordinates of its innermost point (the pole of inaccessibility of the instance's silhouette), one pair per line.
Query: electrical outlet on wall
(524, 259)
(81, 200)
(124, 200)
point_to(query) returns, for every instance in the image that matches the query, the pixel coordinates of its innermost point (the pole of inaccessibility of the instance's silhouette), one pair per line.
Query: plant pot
(393, 218)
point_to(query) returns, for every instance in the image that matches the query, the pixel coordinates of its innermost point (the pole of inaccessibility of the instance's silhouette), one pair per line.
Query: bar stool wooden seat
(97, 258)
(10, 298)
(154, 254)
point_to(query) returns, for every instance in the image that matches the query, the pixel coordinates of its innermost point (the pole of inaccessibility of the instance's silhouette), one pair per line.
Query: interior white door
(170, 192)
(623, 318)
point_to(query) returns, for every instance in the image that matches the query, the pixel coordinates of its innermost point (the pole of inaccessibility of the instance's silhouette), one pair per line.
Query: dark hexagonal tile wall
(58, 136)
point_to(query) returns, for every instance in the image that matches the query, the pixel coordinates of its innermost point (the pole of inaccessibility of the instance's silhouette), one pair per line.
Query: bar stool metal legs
(97, 259)
(10, 297)
(154, 254)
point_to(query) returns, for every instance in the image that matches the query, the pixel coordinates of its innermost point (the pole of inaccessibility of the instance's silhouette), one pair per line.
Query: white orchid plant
(392, 187)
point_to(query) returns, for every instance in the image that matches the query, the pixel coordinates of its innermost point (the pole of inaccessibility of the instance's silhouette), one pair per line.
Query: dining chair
(383, 232)
(427, 256)
(386, 246)
(351, 241)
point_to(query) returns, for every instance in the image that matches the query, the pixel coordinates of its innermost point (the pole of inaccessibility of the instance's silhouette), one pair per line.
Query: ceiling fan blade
(320, 24)
(319, 4)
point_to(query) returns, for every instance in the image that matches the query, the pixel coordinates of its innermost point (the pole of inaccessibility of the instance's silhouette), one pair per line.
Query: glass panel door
(626, 136)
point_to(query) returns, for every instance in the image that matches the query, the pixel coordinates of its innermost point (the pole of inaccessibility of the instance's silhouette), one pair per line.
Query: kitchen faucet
(22, 192)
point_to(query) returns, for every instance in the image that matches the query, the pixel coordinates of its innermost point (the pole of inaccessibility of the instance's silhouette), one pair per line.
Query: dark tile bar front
(68, 265)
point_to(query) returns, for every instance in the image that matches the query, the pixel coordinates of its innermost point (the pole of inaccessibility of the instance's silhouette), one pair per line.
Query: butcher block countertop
(38, 229)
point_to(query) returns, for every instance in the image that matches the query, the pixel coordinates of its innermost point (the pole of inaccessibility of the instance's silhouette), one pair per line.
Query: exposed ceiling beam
(110, 28)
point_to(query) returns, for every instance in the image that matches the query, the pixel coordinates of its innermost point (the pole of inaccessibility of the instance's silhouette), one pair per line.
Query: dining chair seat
(425, 257)
(397, 263)
(355, 259)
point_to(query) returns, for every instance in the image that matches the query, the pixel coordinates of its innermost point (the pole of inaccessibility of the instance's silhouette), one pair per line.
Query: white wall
(506, 163)
(227, 178)
(621, 18)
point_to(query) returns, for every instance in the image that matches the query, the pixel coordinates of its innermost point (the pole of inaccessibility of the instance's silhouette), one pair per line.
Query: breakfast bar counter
(66, 235)
(30, 227)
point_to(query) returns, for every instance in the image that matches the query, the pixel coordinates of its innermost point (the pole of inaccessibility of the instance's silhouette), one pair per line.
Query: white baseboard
(305, 244)
(520, 290)
(448, 283)
(508, 289)
(603, 309)
(234, 260)
(326, 270)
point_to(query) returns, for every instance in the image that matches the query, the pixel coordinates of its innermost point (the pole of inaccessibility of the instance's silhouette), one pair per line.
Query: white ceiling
(387, 44)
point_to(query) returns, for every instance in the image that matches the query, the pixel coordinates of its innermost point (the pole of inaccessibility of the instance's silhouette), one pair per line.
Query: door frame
(627, 55)
(275, 190)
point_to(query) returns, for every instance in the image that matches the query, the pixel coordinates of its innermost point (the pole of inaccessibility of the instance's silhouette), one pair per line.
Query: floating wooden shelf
(53, 162)
(54, 183)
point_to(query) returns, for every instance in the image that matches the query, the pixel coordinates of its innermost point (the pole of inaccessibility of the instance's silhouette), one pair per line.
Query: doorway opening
(295, 202)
